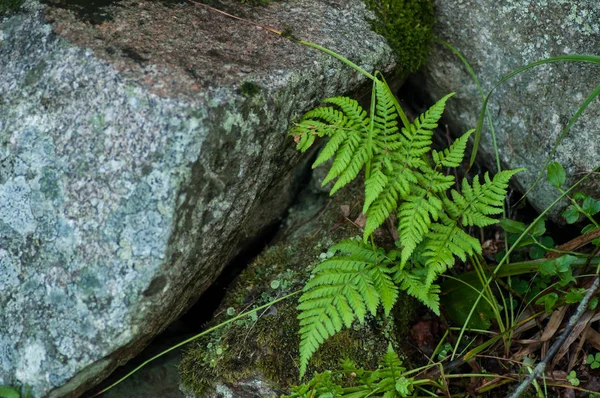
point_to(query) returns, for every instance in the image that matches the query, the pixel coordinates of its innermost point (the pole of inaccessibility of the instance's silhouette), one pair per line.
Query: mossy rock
(258, 355)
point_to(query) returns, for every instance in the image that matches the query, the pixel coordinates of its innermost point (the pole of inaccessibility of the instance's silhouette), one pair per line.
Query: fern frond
(384, 198)
(348, 167)
(434, 181)
(416, 286)
(418, 135)
(332, 146)
(386, 288)
(478, 201)
(415, 216)
(452, 156)
(386, 117)
(343, 288)
(443, 242)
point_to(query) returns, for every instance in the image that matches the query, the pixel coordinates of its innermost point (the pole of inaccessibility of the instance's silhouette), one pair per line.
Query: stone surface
(530, 110)
(142, 145)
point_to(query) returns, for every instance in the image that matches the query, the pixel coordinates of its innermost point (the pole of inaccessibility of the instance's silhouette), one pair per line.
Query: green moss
(7, 6)
(250, 89)
(406, 24)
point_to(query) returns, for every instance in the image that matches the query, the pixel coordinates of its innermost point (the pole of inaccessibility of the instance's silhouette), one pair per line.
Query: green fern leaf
(435, 181)
(415, 216)
(355, 163)
(348, 128)
(397, 186)
(444, 241)
(477, 201)
(332, 146)
(418, 135)
(343, 288)
(387, 289)
(373, 187)
(319, 122)
(453, 156)
(386, 117)
(416, 286)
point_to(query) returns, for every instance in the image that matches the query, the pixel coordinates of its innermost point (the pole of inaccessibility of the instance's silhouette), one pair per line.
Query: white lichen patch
(15, 207)
(29, 365)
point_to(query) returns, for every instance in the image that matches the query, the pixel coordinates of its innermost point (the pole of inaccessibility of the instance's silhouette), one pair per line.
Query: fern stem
(371, 128)
(338, 57)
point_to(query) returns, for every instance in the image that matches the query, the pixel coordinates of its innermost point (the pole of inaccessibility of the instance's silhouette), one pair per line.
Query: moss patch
(406, 24)
(264, 346)
(7, 6)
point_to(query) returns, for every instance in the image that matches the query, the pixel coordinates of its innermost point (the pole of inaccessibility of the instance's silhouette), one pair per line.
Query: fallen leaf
(361, 221)
(345, 210)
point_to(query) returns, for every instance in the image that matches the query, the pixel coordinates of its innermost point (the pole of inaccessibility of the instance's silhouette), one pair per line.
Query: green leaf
(453, 156)
(590, 205)
(571, 215)
(548, 300)
(548, 241)
(537, 252)
(575, 296)
(515, 227)
(556, 174)
(343, 288)
(539, 228)
(560, 267)
(579, 195)
(590, 359)
(404, 386)
(458, 297)
(9, 392)
(572, 378)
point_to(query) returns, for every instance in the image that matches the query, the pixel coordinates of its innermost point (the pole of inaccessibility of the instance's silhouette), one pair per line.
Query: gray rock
(142, 145)
(531, 109)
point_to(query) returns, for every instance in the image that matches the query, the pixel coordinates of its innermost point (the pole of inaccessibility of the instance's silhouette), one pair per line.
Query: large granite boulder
(142, 145)
(530, 110)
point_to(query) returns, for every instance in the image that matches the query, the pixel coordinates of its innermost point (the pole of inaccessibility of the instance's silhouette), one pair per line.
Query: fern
(397, 167)
(344, 288)
(403, 176)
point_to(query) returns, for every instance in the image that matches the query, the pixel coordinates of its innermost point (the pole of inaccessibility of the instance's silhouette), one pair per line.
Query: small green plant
(389, 380)
(593, 360)
(445, 351)
(572, 378)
